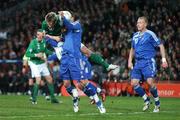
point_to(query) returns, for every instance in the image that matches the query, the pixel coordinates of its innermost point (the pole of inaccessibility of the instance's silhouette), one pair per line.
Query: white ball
(67, 15)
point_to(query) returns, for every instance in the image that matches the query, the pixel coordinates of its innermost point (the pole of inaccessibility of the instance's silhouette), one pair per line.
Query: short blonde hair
(51, 17)
(144, 18)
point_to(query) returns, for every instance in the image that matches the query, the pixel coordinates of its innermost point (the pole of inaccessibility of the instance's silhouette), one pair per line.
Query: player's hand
(49, 36)
(40, 55)
(164, 63)
(130, 65)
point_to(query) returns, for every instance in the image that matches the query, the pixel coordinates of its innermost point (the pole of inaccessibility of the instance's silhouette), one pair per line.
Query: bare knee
(49, 79)
(66, 83)
(150, 82)
(134, 82)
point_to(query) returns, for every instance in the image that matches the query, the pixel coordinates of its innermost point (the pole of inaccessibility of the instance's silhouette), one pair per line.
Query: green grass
(118, 108)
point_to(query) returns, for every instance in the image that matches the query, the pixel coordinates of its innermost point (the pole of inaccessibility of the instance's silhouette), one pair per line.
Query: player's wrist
(163, 59)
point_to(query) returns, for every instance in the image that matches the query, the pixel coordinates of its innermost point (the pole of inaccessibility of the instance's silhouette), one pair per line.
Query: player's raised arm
(67, 21)
(56, 38)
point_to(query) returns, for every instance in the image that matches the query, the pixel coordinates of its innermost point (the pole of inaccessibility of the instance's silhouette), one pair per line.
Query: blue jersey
(72, 38)
(70, 61)
(145, 51)
(145, 44)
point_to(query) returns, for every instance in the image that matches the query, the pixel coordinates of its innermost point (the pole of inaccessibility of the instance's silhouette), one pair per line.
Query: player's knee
(150, 82)
(80, 86)
(134, 82)
(42, 83)
(66, 83)
(84, 82)
(31, 82)
(49, 79)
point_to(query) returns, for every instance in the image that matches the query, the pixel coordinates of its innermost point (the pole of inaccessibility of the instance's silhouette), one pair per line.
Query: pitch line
(83, 114)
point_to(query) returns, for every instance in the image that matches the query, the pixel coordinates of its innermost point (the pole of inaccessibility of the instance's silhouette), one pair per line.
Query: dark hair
(74, 15)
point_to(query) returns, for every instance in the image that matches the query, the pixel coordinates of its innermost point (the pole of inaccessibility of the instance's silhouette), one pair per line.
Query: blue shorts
(143, 69)
(70, 68)
(85, 70)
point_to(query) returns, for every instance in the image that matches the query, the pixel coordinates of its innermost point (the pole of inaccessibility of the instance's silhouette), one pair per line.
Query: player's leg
(45, 89)
(135, 77)
(93, 57)
(30, 83)
(81, 86)
(74, 94)
(35, 90)
(45, 72)
(50, 85)
(35, 73)
(101, 92)
(67, 77)
(90, 90)
(154, 92)
(149, 74)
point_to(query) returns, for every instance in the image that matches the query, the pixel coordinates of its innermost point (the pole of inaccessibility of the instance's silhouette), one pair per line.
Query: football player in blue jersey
(70, 61)
(143, 50)
(70, 49)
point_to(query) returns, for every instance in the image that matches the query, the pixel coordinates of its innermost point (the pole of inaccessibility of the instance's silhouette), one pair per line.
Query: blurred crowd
(107, 29)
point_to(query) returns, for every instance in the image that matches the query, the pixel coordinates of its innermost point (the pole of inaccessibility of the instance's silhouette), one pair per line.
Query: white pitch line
(85, 114)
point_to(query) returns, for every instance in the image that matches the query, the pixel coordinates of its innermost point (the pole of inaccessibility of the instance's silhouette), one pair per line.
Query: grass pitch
(118, 108)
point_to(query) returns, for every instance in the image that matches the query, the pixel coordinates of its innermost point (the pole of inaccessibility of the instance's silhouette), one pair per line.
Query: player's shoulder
(33, 41)
(44, 24)
(136, 34)
(77, 22)
(151, 33)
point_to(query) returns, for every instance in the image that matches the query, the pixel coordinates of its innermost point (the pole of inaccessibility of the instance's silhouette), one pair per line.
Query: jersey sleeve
(30, 51)
(132, 43)
(155, 41)
(69, 25)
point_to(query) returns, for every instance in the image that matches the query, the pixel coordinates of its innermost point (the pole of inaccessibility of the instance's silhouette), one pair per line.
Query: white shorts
(39, 70)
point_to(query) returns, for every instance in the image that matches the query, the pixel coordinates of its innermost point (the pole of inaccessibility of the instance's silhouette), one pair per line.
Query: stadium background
(108, 26)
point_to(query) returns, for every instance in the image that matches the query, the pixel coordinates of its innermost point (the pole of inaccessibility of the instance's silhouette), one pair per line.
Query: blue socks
(69, 90)
(90, 90)
(141, 92)
(154, 92)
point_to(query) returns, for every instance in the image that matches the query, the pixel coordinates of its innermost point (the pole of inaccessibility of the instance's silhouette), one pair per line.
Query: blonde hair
(144, 18)
(51, 17)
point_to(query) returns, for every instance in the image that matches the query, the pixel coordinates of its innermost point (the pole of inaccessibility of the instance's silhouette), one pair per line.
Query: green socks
(98, 60)
(51, 90)
(35, 91)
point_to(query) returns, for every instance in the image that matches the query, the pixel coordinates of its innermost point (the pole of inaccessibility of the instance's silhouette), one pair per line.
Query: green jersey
(56, 31)
(37, 47)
